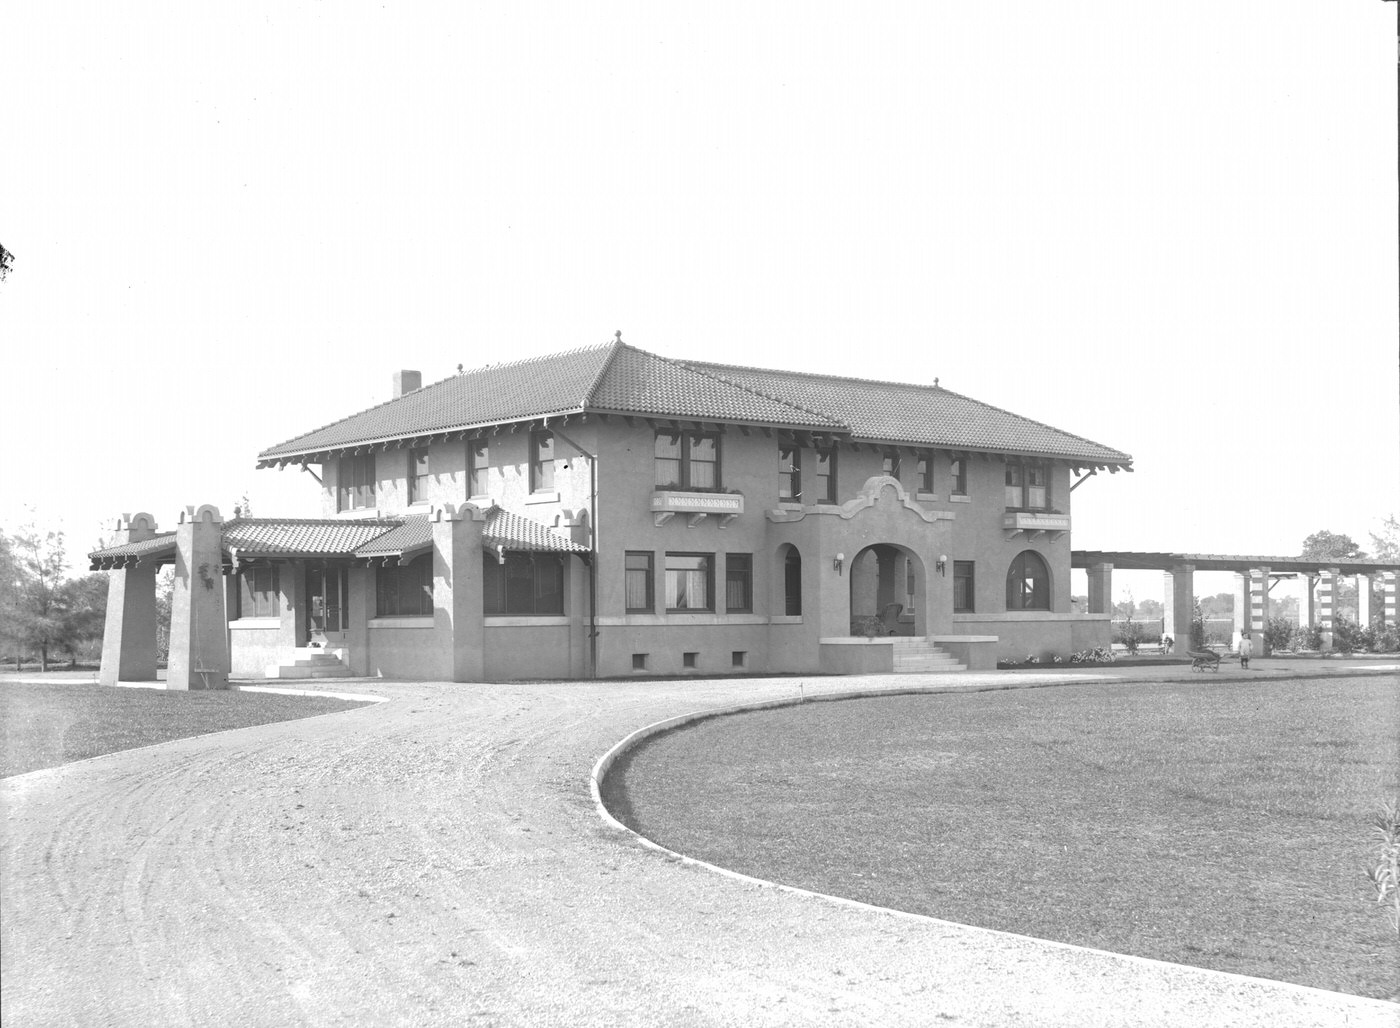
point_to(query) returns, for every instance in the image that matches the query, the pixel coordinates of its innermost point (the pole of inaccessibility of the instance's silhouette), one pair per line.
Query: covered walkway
(1255, 576)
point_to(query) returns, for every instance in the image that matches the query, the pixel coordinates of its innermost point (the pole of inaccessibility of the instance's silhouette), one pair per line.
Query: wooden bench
(1202, 659)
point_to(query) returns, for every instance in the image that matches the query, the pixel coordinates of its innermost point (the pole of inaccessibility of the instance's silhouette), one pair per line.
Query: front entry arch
(888, 591)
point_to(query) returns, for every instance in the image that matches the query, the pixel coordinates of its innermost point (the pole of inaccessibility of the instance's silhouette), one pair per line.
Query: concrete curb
(631, 741)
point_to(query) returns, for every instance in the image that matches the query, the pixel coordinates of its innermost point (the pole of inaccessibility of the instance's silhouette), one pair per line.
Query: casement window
(924, 473)
(792, 583)
(957, 478)
(639, 582)
(789, 473)
(259, 593)
(355, 482)
(529, 584)
(541, 462)
(690, 581)
(738, 583)
(1028, 583)
(889, 463)
(826, 475)
(1027, 486)
(478, 466)
(687, 460)
(964, 595)
(418, 474)
(405, 590)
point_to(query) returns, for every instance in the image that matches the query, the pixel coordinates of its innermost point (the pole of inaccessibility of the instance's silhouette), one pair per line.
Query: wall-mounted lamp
(942, 564)
(838, 562)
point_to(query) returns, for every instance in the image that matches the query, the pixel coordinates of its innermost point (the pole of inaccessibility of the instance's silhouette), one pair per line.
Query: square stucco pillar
(129, 638)
(1363, 600)
(1100, 588)
(1326, 591)
(199, 657)
(1180, 598)
(1307, 607)
(1258, 606)
(1388, 599)
(457, 587)
(1241, 612)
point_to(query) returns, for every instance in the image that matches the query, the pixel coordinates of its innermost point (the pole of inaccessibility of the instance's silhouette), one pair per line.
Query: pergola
(1254, 576)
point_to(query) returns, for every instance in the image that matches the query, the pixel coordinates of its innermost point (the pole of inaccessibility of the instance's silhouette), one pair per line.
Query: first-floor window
(405, 590)
(738, 582)
(639, 582)
(527, 584)
(417, 474)
(690, 581)
(355, 482)
(792, 583)
(1028, 583)
(259, 595)
(963, 594)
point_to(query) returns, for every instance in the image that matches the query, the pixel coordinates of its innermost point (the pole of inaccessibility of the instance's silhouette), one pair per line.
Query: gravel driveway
(437, 859)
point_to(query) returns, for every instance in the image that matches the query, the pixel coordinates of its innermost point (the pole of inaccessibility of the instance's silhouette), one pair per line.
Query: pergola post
(199, 655)
(1241, 611)
(1388, 589)
(1307, 603)
(1326, 586)
(1258, 606)
(1363, 600)
(1180, 602)
(129, 638)
(1100, 588)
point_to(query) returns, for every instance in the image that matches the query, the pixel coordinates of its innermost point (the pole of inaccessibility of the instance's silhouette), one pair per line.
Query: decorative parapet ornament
(667, 503)
(1035, 523)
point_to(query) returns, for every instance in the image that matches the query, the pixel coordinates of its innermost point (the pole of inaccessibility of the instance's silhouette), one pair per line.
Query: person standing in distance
(1246, 650)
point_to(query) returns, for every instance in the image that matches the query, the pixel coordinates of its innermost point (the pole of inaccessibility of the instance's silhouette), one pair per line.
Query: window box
(1035, 523)
(667, 503)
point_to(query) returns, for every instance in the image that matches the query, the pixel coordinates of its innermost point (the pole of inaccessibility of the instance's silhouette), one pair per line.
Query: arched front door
(887, 591)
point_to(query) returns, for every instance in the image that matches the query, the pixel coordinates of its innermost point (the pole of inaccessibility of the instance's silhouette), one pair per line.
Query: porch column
(457, 589)
(1241, 612)
(1388, 601)
(199, 657)
(1258, 607)
(1180, 601)
(1326, 581)
(1363, 600)
(129, 639)
(1100, 588)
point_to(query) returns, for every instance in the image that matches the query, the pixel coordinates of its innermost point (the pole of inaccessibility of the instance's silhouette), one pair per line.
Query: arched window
(1028, 583)
(792, 582)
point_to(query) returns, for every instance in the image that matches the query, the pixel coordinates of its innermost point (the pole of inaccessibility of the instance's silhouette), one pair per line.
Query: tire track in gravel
(436, 860)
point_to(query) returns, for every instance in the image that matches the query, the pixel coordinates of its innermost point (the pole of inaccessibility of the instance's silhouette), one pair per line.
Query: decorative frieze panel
(1035, 523)
(667, 503)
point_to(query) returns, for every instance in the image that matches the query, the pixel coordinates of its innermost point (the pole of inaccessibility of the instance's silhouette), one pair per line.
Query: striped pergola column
(1326, 591)
(1307, 606)
(1388, 603)
(1363, 600)
(1258, 606)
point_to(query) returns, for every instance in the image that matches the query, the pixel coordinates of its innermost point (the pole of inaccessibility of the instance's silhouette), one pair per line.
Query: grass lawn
(51, 724)
(1224, 824)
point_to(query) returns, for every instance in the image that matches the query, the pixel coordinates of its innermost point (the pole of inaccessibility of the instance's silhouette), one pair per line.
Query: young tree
(1387, 544)
(85, 613)
(10, 580)
(41, 603)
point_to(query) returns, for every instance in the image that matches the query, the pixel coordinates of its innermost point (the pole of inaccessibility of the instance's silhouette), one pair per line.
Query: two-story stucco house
(608, 511)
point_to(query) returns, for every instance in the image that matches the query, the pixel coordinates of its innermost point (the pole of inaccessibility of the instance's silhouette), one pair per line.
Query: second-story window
(687, 460)
(541, 461)
(1027, 486)
(478, 465)
(957, 478)
(789, 473)
(890, 463)
(418, 474)
(355, 482)
(924, 472)
(826, 475)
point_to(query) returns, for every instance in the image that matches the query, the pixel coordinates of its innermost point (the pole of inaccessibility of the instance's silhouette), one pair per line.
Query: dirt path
(437, 860)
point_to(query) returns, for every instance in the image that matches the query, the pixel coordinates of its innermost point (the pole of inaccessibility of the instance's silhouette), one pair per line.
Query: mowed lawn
(1220, 823)
(51, 724)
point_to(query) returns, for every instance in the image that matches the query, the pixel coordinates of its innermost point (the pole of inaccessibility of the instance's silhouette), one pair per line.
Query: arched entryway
(887, 588)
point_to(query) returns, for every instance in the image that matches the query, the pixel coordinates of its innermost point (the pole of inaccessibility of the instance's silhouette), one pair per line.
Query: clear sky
(1170, 228)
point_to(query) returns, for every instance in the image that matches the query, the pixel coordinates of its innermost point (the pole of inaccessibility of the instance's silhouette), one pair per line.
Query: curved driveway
(437, 859)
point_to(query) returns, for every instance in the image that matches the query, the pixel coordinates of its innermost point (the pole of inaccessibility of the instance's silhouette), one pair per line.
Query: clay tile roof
(302, 536)
(902, 412)
(407, 540)
(513, 532)
(620, 379)
(160, 545)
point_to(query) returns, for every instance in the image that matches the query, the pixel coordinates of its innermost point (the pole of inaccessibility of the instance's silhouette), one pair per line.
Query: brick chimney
(406, 382)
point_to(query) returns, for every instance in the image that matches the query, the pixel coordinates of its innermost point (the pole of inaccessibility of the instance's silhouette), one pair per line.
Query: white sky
(1170, 228)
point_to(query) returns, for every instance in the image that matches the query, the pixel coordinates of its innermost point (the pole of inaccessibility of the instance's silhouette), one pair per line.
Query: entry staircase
(311, 662)
(918, 656)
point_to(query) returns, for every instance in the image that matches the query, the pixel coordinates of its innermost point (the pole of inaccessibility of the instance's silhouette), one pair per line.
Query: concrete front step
(309, 662)
(919, 656)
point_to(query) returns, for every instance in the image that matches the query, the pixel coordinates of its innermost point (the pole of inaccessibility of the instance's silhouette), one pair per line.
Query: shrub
(1130, 635)
(1348, 636)
(1385, 876)
(1098, 655)
(1309, 638)
(1198, 627)
(1278, 634)
(1386, 640)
